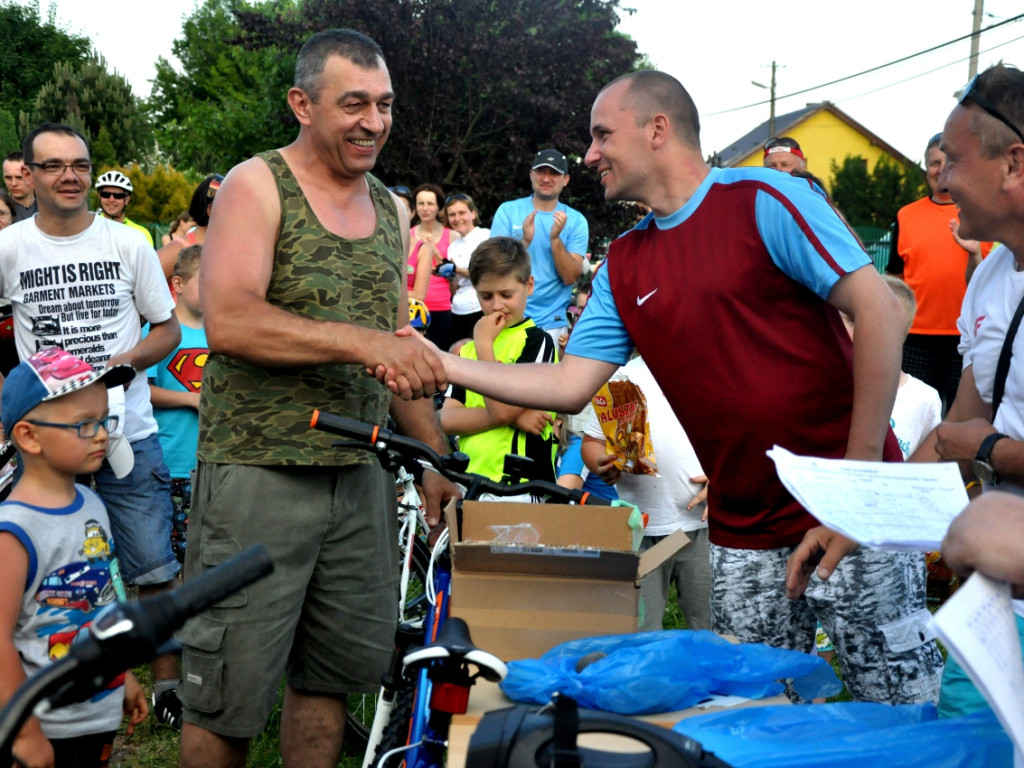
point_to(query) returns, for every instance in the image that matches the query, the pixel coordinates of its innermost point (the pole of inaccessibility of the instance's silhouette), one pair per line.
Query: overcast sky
(716, 48)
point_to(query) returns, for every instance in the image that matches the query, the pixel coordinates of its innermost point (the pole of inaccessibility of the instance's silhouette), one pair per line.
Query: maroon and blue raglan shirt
(725, 300)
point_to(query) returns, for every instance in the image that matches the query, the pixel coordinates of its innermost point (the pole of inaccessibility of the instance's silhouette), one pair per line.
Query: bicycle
(122, 636)
(424, 687)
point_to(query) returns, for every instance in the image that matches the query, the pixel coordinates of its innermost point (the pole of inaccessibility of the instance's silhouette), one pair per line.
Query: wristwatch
(982, 466)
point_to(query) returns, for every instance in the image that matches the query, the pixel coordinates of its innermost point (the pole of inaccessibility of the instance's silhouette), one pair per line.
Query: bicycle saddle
(454, 643)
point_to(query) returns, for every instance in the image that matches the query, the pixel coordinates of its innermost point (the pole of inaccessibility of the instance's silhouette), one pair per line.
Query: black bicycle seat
(454, 643)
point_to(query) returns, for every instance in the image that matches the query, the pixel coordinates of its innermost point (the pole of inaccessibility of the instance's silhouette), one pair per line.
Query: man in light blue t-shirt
(555, 235)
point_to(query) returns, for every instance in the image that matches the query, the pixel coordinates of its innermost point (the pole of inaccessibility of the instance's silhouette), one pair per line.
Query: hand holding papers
(978, 628)
(881, 504)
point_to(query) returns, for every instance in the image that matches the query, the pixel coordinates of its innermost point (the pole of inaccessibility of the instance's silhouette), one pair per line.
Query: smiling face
(351, 118)
(460, 218)
(616, 146)
(975, 182)
(427, 206)
(64, 194)
(504, 294)
(112, 207)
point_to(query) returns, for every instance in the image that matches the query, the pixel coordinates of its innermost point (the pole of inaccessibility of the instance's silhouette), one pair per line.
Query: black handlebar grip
(339, 425)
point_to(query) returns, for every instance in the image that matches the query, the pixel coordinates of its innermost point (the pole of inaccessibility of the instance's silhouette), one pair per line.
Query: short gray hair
(347, 43)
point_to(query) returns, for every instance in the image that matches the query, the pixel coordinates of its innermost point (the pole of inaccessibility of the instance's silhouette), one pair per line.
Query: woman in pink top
(429, 240)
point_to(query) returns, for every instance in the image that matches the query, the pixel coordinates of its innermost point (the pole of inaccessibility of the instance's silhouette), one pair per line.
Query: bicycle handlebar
(377, 439)
(124, 635)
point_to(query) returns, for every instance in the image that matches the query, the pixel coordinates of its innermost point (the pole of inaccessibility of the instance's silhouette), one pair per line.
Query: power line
(872, 69)
(926, 72)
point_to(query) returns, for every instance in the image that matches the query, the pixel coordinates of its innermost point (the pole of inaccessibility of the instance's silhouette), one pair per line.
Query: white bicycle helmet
(114, 179)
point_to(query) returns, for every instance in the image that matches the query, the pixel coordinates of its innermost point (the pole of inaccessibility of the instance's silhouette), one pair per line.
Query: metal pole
(972, 69)
(771, 117)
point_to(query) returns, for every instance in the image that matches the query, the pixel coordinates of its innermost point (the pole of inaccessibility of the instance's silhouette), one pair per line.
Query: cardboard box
(578, 576)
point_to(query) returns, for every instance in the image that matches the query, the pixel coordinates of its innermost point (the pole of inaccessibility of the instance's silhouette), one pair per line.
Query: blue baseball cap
(49, 374)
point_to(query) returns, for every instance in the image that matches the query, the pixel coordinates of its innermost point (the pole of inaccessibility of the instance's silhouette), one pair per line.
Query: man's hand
(821, 547)
(437, 492)
(607, 470)
(700, 497)
(533, 421)
(558, 219)
(487, 329)
(529, 228)
(988, 536)
(409, 367)
(960, 441)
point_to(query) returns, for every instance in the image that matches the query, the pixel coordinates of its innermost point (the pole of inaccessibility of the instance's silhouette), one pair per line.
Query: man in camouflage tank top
(302, 286)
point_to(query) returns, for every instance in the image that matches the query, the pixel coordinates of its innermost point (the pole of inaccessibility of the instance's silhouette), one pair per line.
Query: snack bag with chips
(622, 411)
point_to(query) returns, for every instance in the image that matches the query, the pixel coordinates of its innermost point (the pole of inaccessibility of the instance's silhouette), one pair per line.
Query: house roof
(784, 124)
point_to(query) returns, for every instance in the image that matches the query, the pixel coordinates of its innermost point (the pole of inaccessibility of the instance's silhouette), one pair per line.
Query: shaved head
(650, 93)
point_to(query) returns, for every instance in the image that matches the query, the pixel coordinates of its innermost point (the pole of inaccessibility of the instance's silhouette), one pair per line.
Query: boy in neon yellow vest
(488, 430)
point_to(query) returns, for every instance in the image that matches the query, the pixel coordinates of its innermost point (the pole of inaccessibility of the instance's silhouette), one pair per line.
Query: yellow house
(824, 133)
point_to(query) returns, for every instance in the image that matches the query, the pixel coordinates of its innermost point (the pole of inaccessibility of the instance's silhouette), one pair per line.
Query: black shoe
(167, 709)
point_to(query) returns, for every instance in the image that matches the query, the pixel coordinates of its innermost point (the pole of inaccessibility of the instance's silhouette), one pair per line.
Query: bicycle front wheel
(362, 706)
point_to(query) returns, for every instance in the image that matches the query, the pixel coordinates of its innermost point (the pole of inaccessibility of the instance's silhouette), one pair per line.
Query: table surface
(486, 697)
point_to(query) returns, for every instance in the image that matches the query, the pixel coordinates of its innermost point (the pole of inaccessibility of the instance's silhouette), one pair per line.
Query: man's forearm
(418, 419)
(569, 266)
(565, 387)
(158, 344)
(876, 372)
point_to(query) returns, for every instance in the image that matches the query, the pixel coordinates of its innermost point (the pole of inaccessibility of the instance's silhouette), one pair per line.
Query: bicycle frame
(430, 717)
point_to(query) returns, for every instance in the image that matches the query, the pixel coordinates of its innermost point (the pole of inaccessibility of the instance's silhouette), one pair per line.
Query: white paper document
(977, 625)
(881, 504)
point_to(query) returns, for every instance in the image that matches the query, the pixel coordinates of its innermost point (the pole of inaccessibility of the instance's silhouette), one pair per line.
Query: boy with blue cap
(57, 559)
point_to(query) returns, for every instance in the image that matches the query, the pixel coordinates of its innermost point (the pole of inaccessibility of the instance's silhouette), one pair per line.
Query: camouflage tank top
(254, 415)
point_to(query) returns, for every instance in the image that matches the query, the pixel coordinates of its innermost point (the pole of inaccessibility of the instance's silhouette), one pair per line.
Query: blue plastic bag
(645, 673)
(850, 735)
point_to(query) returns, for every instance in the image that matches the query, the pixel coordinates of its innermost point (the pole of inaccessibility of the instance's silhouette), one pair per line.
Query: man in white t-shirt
(86, 284)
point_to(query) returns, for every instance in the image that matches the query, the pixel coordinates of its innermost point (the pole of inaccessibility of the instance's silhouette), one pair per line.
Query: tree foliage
(229, 101)
(10, 141)
(481, 86)
(31, 46)
(100, 105)
(872, 199)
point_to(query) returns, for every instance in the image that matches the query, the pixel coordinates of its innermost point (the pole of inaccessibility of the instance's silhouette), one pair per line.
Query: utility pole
(771, 90)
(979, 7)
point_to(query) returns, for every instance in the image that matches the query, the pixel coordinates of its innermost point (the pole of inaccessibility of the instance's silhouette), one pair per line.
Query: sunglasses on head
(458, 196)
(785, 141)
(116, 195)
(969, 92)
(401, 190)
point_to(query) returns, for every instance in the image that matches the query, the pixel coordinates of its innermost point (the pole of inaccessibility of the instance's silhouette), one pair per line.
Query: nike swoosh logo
(640, 301)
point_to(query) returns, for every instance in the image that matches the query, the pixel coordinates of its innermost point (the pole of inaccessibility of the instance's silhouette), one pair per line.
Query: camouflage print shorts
(873, 609)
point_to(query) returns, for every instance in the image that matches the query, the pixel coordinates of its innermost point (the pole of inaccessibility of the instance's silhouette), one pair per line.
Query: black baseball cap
(551, 158)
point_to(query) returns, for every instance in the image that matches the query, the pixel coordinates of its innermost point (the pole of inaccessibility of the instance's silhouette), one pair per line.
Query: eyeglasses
(57, 168)
(87, 429)
(457, 197)
(981, 101)
(116, 195)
